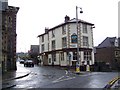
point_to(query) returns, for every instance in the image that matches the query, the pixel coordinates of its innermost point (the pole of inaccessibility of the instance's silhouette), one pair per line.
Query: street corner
(21, 75)
(17, 75)
(111, 83)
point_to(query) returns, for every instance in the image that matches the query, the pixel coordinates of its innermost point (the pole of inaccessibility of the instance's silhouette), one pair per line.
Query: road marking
(69, 78)
(59, 78)
(66, 72)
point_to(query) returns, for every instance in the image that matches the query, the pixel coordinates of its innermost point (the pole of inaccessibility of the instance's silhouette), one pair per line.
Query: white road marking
(66, 71)
(63, 79)
(59, 78)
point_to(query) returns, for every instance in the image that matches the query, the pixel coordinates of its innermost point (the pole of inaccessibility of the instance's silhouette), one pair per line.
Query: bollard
(88, 68)
(77, 69)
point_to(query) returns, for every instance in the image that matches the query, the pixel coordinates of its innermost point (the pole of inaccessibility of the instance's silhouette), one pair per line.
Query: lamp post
(78, 61)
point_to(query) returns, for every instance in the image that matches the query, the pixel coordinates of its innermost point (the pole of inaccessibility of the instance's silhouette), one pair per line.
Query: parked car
(28, 63)
(21, 61)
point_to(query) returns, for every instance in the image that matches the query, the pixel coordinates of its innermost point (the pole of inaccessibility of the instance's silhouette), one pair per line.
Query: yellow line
(113, 80)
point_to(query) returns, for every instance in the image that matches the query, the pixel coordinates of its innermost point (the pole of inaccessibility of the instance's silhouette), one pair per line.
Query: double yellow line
(109, 85)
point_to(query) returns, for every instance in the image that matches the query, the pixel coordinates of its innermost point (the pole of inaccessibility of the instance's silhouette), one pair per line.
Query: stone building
(8, 37)
(58, 45)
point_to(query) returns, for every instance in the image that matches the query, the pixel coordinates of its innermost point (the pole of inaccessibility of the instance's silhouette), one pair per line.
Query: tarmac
(8, 76)
(12, 75)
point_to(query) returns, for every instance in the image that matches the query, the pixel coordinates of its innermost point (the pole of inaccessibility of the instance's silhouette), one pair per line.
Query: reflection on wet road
(52, 77)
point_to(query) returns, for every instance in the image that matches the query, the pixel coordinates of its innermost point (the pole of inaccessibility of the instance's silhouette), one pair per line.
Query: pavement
(8, 76)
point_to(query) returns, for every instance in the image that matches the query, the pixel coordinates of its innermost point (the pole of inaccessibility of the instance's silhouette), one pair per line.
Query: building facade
(108, 52)
(34, 52)
(9, 36)
(58, 45)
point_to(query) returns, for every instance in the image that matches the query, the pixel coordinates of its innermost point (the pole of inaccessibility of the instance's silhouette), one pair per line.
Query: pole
(77, 64)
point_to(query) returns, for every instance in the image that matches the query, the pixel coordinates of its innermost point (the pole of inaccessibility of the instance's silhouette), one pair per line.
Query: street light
(78, 62)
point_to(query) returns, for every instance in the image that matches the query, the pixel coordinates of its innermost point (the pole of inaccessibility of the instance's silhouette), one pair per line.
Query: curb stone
(10, 86)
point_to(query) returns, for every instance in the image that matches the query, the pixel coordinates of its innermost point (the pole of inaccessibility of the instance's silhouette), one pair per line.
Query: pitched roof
(70, 21)
(108, 42)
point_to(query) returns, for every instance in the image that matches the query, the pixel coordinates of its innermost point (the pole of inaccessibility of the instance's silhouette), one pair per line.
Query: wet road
(51, 77)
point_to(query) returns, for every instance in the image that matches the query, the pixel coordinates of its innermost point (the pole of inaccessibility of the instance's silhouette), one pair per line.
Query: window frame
(85, 41)
(63, 29)
(85, 28)
(64, 42)
(53, 45)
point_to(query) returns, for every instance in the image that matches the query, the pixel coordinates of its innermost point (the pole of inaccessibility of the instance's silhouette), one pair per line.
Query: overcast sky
(35, 15)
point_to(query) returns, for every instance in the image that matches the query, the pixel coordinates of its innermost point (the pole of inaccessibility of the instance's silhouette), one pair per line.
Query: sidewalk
(11, 76)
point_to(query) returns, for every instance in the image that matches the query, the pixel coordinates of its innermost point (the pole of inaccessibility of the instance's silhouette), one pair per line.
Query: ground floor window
(62, 56)
(54, 57)
(49, 60)
(87, 55)
(74, 55)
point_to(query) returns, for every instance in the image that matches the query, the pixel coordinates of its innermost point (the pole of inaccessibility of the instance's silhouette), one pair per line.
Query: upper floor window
(74, 38)
(53, 33)
(42, 47)
(117, 53)
(85, 28)
(43, 38)
(85, 41)
(63, 30)
(9, 21)
(64, 42)
(48, 46)
(53, 45)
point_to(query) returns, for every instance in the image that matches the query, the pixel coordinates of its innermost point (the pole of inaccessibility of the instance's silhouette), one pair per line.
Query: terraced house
(58, 45)
(8, 37)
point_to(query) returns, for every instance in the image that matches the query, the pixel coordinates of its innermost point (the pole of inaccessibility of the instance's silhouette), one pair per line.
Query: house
(58, 45)
(107, 52)
(8, 36)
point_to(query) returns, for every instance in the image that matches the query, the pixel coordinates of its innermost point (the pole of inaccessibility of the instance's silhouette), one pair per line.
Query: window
(84, 28)
(43, 38)
(42, 47)
(64, 42)
(54, 57)
(62, 56)
(49, 60)
(87, 55)
(53, 33)
(9, 21)
(117, 53)
(48, 46)
(74, 38)
(74, 55)
(85, 41)
(53, 44)
(63, 30)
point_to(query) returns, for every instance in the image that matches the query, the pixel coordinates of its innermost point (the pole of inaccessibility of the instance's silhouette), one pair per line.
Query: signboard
(73, 38)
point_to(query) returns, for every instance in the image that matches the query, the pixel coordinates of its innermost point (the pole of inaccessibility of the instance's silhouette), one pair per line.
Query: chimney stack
(46, 29)
(67, 18)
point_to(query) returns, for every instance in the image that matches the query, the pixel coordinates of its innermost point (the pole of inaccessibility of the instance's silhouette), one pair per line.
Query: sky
(34, 15)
